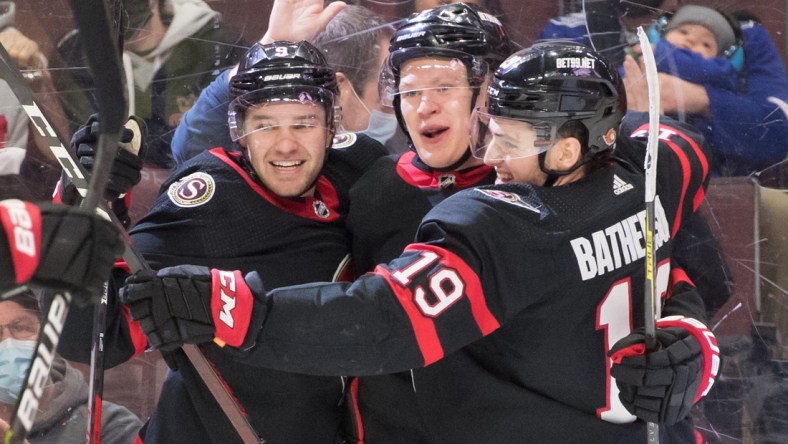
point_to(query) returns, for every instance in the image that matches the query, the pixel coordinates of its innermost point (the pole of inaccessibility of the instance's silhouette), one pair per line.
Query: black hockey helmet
(454, 31)
(452, 27)
(279, 72)
(559, 82)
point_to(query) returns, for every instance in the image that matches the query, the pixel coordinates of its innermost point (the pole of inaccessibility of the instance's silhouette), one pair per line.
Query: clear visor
(439, 79)
(276, 118)
(500, 138)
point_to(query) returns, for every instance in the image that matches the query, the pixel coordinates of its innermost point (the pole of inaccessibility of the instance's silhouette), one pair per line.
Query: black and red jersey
(389, 201)
(212, 212)
(507, 303)
(387, 205)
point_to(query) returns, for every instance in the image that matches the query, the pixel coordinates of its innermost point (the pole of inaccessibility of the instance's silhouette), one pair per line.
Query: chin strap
(453, 167)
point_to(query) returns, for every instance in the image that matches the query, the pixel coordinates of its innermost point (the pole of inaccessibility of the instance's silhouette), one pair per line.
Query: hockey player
(518, 305)
(277, 207)
(55, 246)
(435, 75)
(447, 52)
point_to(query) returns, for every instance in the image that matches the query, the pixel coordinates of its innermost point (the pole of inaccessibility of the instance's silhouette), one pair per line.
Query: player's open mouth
(503, 176)
(433, 132)
(282, 164)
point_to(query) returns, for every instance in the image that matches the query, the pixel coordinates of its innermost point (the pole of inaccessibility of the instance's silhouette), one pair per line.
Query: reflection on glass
(171, 59)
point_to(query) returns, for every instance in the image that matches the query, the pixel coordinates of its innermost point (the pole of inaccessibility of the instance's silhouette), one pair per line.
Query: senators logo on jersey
(193, 190)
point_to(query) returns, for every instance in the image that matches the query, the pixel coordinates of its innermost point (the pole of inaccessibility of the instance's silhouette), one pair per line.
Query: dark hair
(350, 44)
(27, 300)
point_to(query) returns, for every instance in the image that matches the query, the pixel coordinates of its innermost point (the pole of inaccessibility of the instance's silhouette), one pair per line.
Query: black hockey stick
(110, 90)
(133, 259)
(651, 298)
(103, 56)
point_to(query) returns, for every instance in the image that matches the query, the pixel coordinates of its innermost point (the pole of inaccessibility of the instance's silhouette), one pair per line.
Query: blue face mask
(15, 357)
(381, 127)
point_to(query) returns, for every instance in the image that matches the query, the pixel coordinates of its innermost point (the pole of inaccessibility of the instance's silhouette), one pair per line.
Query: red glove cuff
(638, 349)
(22, 224)
(231, 306)
(708, 345)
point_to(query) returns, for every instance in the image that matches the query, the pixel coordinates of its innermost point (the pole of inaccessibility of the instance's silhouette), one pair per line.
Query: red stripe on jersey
(685, 180)
(666, 132)
(306, 207)
(419, 178)
(677, 276)
(359, 428)
(423, 327)
(704, 162)
(22, 224)
(473, 287)
(136, 334)
(423, 324)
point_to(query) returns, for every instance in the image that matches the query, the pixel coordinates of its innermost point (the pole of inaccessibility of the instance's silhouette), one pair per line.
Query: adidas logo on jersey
(619, 186)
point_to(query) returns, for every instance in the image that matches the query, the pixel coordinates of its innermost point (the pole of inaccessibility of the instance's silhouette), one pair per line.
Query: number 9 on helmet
(282, 72)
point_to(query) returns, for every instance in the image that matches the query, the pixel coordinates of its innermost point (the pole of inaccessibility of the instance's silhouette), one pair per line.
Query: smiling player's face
(287, 144)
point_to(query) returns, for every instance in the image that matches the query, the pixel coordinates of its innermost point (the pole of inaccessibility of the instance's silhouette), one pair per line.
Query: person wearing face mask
(63, 410)
(354, 41)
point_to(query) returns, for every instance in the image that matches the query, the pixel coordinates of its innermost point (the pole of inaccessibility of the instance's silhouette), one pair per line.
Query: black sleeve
(336, 329)
(683, 299)
(406, 314)
(698, 252)
(76, 339)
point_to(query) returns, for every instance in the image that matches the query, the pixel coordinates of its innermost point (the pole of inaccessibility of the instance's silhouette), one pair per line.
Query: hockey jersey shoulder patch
(510, 198)
(344, 140)
(193, 190)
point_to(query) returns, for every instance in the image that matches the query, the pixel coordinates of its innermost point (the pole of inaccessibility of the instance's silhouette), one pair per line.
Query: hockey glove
(662, 385)
(57, 246)
(126, 170)
(190, 304)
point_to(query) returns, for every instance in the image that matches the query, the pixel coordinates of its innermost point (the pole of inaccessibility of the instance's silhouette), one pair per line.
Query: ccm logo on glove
(232, 310)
